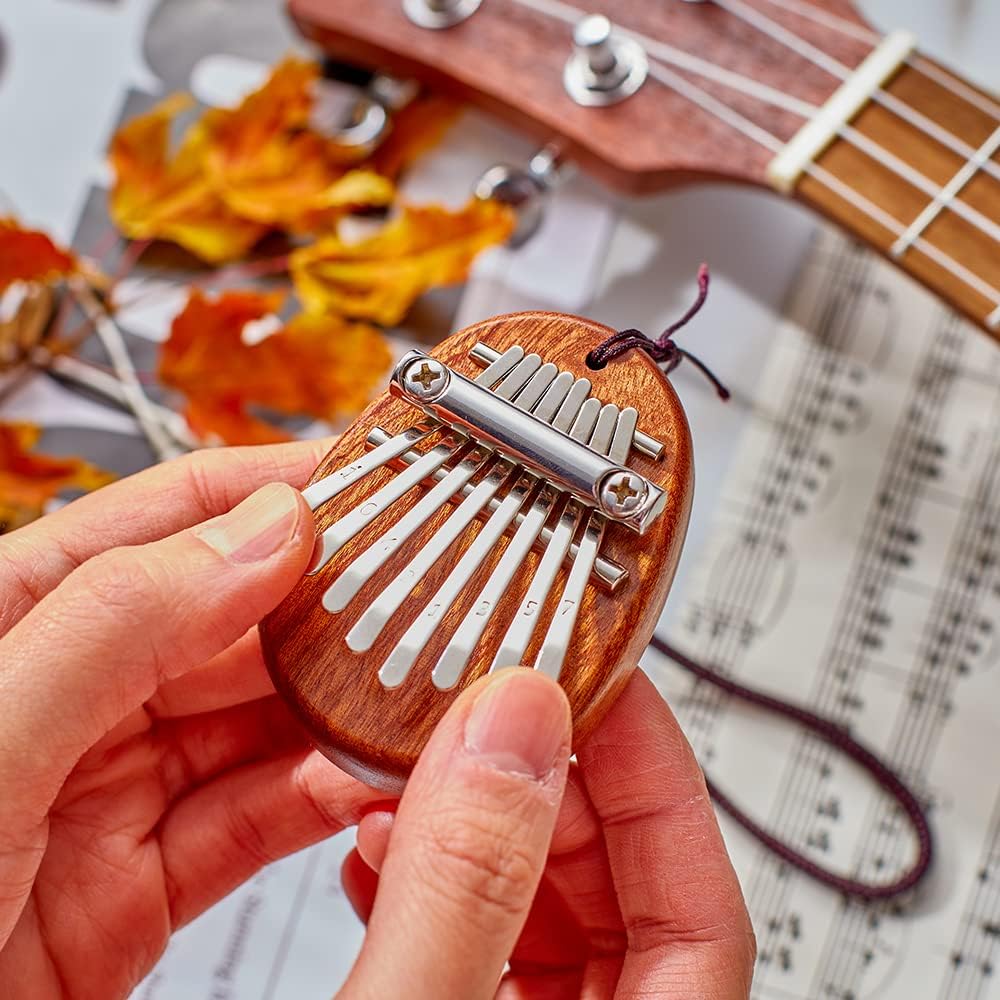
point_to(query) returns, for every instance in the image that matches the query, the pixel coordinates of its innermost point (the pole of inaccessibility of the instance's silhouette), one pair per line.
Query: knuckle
(119, 578)
(480, 862)
(199, 470)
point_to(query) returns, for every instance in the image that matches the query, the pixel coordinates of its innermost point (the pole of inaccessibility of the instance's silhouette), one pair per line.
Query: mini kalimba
(502, 504)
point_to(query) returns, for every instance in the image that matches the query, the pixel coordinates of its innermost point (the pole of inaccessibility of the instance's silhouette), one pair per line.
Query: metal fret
(946, 195)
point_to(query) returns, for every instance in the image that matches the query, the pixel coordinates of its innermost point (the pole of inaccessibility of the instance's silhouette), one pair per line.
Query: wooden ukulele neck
(920, 181)
(800, 95)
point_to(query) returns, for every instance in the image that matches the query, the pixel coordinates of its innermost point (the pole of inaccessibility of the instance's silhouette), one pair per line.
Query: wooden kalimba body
(502, 504)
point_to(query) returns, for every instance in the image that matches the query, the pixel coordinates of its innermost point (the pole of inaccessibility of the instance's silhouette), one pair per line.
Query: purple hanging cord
(839, 738)
(664, 351)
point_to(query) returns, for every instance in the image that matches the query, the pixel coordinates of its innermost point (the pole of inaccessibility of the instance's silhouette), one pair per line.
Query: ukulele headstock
(502, 504)
(510, 57)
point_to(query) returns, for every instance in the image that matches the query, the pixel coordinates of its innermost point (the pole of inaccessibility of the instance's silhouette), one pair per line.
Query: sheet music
(854, 566)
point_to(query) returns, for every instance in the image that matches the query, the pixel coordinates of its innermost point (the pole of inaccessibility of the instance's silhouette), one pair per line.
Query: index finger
(146, 507)
(688, 929)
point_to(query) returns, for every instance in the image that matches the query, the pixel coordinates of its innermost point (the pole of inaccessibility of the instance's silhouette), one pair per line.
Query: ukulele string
(778, 32)
(841, 740)
(736, 120)
(810, 12)
(707, 102)
(916, 62)
(680, 59)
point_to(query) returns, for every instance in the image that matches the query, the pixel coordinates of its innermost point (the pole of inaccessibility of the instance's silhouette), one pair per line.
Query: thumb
(97, 647)
(469, 843)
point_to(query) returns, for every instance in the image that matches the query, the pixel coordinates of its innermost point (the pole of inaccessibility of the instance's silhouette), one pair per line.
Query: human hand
(637, 897)
(146, 766)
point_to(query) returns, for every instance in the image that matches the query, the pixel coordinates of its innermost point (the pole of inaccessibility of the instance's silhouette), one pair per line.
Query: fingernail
(257, 528)
(520, 724)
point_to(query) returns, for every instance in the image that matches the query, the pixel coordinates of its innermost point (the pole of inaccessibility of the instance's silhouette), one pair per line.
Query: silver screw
(622, 493)
(425, 379)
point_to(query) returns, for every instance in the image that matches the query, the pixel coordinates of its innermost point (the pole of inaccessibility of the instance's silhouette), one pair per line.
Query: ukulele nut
(604, 68)
(438, 14)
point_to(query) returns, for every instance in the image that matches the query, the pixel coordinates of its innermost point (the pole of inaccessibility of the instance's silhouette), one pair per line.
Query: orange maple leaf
(26, 255)
(318, 366)
(162, 193)
(28, 481)
(238, 173)
(416, 128)
(270, 164)
(379, 278)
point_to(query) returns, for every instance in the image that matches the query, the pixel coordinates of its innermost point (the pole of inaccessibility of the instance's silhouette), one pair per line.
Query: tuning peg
(439, 13)
(604, 67)
(366, 122)
(525, 189)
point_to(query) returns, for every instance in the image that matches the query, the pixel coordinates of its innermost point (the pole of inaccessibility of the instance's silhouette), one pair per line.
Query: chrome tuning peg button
(525, 189)
(439, 14)
(604, 68)
(361, 122)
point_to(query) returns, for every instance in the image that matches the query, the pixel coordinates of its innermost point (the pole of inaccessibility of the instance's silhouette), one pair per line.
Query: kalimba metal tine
(337, 482)
(519, 376)
(557, 638)
(552, 654)
(554, 397)
(369, 626)
(357, 574)
(526, 618)
(586, 420)
(455, 658)
(501, 367)
(604, 428)
(624, 436)
(536, 388)
(400, 661)
(579, 392)
(342, 531)
(608, 574)
(522, 627)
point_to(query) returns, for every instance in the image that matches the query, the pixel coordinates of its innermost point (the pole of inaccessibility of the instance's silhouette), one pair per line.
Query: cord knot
(663, 350)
